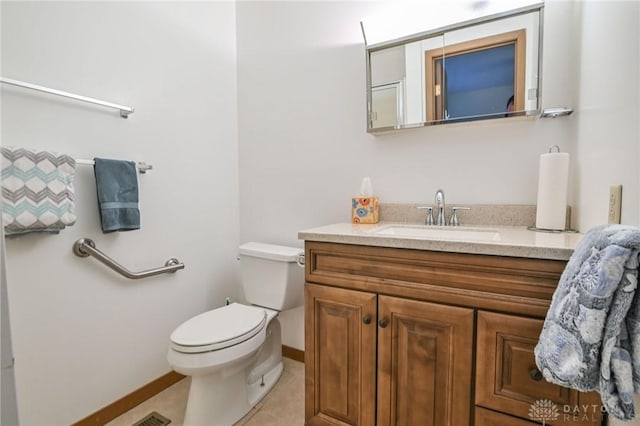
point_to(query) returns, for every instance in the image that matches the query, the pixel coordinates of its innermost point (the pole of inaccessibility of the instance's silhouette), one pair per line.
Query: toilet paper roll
(553, 182)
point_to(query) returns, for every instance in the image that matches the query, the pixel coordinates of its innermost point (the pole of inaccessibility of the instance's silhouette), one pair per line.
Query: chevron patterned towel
(37, 191)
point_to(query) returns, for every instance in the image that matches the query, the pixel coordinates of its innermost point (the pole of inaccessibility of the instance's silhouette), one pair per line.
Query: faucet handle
(453, 221)
(428, 220)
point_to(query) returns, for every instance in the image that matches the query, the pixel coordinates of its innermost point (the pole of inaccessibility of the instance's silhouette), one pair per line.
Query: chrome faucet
(441, 220)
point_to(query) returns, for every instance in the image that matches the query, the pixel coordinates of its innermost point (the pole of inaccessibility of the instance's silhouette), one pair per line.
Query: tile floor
(283, 406)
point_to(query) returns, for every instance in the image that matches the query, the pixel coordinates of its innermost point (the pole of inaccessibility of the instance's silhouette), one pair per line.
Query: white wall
(303, 145)
(606, 144)
(303, 149)
(84, 336)
(8, 401)
(302, 117)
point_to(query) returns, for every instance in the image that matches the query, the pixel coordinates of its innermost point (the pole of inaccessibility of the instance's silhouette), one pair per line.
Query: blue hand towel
(117, 185)
(37, 190)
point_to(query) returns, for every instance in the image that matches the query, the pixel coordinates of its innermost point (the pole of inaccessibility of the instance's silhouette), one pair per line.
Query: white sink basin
(438, 233)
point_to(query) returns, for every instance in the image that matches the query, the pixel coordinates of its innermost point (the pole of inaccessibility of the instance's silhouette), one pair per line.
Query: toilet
(234, 353)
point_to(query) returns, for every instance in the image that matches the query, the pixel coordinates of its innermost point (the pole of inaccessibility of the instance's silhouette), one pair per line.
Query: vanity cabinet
(341, 354)
(414, 337)
(510, 380)
(350, 329)
(424, 365)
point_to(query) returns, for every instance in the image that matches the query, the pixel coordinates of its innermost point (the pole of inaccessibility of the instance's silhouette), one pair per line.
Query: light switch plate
(615, 203)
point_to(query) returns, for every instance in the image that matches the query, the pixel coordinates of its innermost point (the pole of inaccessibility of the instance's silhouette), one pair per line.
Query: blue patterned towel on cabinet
(591, 335)
(37, 191)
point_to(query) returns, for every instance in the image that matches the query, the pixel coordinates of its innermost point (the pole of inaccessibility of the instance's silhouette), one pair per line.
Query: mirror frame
(441, 31)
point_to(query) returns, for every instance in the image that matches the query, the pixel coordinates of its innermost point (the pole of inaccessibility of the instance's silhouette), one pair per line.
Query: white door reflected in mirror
(387, 105)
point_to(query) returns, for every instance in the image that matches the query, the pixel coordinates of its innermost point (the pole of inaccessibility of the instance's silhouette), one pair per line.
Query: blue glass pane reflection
(479, 83)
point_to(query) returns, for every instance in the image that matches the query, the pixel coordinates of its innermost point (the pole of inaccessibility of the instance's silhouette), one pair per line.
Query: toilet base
(260, 389)
(225, 396)
(216, 402)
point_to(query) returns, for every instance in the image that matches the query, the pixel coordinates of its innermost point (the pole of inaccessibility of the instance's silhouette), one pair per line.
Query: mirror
(486, 68)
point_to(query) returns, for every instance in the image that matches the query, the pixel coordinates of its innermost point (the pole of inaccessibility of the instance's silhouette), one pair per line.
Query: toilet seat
(219, 328)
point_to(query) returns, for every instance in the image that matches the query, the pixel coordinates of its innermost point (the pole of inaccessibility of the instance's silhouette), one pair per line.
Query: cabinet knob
(536, 374)
(383, 323)
(367, 319)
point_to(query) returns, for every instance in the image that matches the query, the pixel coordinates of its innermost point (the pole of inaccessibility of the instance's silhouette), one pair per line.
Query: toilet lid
(219, 328)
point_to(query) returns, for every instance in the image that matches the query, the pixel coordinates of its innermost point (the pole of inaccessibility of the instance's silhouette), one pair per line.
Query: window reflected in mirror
(476, 80)
(487, 68)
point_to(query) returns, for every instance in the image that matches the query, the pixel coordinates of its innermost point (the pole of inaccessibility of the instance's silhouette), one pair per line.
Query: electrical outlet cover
(615, 203)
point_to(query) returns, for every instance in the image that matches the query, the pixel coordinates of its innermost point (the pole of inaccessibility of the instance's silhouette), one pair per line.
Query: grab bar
(85, 247)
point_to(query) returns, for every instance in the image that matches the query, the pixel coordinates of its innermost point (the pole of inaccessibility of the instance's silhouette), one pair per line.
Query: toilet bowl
(234, 353)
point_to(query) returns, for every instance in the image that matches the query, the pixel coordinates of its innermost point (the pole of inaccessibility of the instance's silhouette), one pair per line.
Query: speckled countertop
(514, 241)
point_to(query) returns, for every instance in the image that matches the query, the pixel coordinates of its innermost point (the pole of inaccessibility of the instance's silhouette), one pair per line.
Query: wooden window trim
(434, 103)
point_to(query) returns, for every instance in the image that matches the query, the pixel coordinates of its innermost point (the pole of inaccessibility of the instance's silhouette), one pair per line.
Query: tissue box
(364, 210)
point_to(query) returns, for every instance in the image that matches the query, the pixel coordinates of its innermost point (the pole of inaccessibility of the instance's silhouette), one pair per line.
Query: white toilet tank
(271, 276)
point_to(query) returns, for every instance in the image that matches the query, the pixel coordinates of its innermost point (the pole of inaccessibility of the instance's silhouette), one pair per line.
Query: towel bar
(124, 110)
(142, 166)
(85, 247)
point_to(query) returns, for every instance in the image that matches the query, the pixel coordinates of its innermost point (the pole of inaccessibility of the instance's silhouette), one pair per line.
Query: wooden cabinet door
(508, 380)
(424, 363)
(340, 356)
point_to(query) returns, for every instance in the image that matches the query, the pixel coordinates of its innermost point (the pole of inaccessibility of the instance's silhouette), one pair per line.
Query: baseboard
(293, 353)
(126, 403)
(140, 395)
